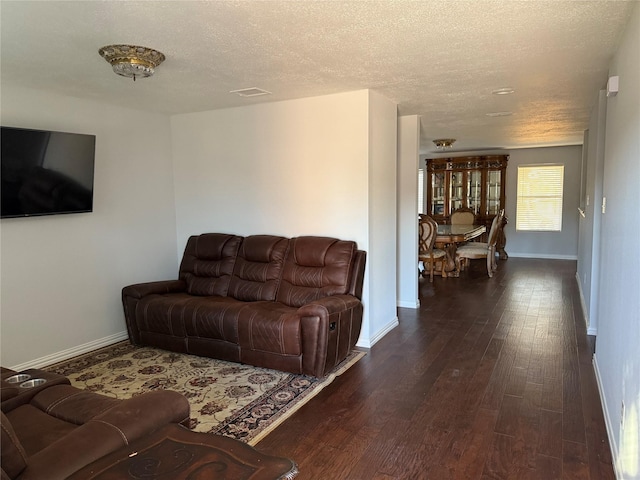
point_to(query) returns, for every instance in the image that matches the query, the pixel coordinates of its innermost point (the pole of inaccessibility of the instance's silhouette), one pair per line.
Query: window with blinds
(539, 198)
(420, 190)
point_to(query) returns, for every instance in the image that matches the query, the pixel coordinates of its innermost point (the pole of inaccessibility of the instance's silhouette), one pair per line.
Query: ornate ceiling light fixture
(132, 61)
(444, 143)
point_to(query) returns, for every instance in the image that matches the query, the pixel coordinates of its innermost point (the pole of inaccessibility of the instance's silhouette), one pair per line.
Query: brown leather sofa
(53, 430)
(269, 301)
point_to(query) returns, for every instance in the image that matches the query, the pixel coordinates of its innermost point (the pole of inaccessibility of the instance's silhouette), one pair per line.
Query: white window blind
(539, 202)
(420, 190)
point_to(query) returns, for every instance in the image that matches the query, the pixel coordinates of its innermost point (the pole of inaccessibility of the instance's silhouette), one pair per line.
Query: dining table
(458, 233)
(447, 239)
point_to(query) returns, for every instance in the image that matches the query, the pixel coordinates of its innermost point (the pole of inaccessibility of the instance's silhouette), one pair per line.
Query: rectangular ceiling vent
(250, 92)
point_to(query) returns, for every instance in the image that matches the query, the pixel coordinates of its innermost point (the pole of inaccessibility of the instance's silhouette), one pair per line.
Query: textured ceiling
(439, 59)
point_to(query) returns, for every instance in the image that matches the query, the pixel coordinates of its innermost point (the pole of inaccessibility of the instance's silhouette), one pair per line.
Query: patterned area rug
(238, 401)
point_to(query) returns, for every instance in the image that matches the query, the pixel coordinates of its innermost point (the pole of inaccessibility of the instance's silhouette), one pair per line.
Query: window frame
(533, 207)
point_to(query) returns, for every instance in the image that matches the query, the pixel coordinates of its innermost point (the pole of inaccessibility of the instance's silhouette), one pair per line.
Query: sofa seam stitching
(122, 434)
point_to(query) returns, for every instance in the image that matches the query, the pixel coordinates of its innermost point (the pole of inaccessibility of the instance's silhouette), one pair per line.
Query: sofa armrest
(125, 422)
(330, 329)
(14, 396)
(324, 307)
(139, 415)
(71, 404)
(140, 290)
(132, 294)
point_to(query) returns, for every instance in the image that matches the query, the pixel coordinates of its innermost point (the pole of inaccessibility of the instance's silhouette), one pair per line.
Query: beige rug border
(328, 380)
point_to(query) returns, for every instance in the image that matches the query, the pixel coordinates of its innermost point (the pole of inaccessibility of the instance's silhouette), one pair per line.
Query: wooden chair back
(496, 225)
(427, 231)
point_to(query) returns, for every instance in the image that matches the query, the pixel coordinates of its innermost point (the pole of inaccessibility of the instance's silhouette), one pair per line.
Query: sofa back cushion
(316, 267)
(208, 263)
(257, 271)
(14, 458)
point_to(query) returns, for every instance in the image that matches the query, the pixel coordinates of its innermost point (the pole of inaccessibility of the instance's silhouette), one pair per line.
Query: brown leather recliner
(60, 429)
(269, 301)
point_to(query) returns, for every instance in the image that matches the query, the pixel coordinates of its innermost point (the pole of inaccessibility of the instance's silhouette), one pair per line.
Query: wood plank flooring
(489, 379)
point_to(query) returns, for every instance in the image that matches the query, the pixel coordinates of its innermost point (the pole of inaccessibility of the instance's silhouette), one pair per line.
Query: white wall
(286, 168)
(617, 358)
(383, 151)
(588, 274)
(559, 245)
(300, 167)
(62, 275)
(407, 254)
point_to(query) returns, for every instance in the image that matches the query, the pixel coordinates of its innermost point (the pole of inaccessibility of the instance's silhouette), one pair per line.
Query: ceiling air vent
(250, 92)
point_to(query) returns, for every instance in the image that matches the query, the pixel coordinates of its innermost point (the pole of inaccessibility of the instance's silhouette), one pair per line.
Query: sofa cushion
(316, 267)
(256, 274)
(270, 327)
(14, 458)
(35, 429)
(212, 317)
(207, 263)
(72, 405)
(180, 315)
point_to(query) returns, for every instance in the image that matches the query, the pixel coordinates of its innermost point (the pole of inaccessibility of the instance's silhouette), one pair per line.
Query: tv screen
(45, 173)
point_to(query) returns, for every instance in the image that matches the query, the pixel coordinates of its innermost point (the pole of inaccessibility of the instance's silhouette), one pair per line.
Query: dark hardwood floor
(489, 379)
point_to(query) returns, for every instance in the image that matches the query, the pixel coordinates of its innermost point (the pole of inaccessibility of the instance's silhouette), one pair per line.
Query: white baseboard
(591, 330)
(414, 305)
(607, 420)
(544, 256)
(71, 352)
(370, 342)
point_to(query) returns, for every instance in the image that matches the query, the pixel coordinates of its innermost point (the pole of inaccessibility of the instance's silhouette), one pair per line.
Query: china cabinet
(474, 182)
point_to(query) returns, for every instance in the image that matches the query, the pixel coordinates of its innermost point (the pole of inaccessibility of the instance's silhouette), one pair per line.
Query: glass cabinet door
(475, 182)
(474, 190)
(438, 193)
(493, 192)
(457, 198)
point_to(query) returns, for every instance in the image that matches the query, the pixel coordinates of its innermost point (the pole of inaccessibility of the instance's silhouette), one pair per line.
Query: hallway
(489, 379)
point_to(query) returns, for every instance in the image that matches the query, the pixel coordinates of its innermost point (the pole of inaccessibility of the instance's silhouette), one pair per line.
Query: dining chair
(501, 224)
(479, 250)
(427, 254)
(462, 216)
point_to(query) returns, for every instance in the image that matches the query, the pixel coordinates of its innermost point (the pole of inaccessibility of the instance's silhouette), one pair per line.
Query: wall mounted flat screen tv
(45, 173)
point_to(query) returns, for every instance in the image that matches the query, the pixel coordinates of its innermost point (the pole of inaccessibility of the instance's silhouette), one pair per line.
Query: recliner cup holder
(18, 378)
(34, 382)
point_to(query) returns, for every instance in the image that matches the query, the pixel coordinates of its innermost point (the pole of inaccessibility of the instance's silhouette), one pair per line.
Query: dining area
(464, 215)
(447, 249)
